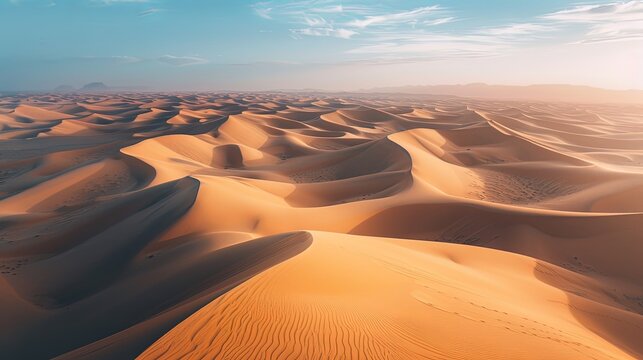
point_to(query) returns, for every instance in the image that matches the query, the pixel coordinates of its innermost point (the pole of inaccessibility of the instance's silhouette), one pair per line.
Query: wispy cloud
(42, 3)
(613, 11)
(300, 7)
(111, 2)
(439, 21)
(432, 46)
(323, 31)
(182, 60)
(265, 63)
(262, 11)
(328, 18)
(149, 12)
(513, 30)
(332, 9)
(616, 31)
(411, 16)
(613, 21)
(397, 34)
(117, 59)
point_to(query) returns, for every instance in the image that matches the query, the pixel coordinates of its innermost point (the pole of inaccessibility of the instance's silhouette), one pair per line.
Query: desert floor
(284, 226)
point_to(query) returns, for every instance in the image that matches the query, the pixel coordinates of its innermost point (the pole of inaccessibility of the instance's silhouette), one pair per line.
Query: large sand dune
(283, 226)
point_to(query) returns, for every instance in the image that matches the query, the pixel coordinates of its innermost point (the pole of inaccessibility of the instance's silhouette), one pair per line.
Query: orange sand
(284, 226)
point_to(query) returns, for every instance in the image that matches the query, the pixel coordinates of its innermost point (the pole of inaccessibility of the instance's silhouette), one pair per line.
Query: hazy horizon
(328, 45)
(374, 89)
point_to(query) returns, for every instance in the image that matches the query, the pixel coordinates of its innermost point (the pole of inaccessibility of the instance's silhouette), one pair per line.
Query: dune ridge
(289, 226)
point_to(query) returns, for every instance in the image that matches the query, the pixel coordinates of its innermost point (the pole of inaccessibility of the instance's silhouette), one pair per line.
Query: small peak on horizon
(95, 86)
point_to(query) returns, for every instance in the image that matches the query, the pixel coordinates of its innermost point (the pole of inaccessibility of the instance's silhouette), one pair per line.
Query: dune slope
(430, 301)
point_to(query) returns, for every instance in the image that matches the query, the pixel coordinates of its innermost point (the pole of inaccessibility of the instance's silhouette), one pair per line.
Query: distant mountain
(64, 88)
(547, 92)
(95, 86)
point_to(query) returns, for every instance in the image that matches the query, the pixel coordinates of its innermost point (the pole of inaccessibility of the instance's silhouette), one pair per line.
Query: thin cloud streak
(112, 2)
(518, 32)
(182, 60)
(395, 18)
(325, 31)
(149, 12)
(327, 18)
(614, 21)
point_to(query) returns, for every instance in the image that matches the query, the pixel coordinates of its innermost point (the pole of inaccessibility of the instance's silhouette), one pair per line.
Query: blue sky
(325, 44)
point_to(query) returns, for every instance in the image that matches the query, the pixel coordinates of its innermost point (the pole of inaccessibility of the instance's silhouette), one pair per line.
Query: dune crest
(430, 301)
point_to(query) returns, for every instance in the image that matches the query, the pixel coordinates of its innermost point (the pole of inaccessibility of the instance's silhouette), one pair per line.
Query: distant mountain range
(545, 92)
(95, 87)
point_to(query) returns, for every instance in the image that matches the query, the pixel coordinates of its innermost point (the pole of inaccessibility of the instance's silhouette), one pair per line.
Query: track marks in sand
(499, 187)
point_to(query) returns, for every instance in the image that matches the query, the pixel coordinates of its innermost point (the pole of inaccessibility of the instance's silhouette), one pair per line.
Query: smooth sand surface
(284, 226)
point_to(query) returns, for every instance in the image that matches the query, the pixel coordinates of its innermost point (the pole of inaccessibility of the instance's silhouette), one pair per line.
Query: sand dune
(430, 300)
(286, 226)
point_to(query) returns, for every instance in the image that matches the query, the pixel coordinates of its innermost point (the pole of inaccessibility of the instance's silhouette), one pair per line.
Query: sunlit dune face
(304, 226)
